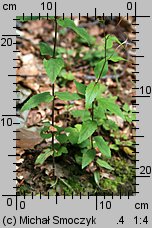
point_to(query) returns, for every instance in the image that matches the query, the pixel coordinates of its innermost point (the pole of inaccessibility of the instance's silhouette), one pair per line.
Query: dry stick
(53, 94)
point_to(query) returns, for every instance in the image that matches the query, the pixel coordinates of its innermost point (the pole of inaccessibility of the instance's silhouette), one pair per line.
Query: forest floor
(80, 60)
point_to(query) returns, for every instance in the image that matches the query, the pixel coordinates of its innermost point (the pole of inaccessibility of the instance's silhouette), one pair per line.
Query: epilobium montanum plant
(85, 136)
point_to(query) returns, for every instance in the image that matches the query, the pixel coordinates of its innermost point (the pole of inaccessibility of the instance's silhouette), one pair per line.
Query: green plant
(92, 147)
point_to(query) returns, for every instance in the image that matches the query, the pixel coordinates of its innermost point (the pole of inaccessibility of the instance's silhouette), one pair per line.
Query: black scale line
(135, 24)
(24, 195)
(12, 35)
(120, 193)
(56, 198)
(12, 115)
(16, 201)
(136, 48)
(128, 195)
(96, 201)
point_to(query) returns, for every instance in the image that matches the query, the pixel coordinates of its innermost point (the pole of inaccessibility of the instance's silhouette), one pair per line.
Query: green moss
(123, 178)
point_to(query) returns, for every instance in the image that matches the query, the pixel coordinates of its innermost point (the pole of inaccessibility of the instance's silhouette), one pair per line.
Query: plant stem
(53, 94)
(105, 57)
(92, 110)
(92, 116)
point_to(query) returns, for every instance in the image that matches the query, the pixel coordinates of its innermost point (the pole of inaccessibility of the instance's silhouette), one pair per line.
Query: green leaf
(116, 58)
(43, 156)
(110, 39)
(66, 96)
(63, 150)
(37, 99)
(102, 146)
(80, 87)
(99, 113)
(104, 164)
(126, 107)
(92, 91)
(73, 135)
(110, 125)
(88, 157)
(45, 49)
(85, 144)
(83, 114)
(97, 177)
(53, 68)
(78, 127)
(67, 75)
(44, 132)
(78, 159)
(101, 68)
(62, 138)
(68, 23)
(109, 104)
(87, 129)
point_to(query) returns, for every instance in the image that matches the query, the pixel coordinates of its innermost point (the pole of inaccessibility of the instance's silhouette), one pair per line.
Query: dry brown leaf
(53, 129)
(28, 139)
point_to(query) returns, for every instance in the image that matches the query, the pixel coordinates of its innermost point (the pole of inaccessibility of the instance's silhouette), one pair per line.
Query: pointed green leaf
(43, 156)
(101, 68)
(80, 87)
(85, 144)
(53, 68)
(68, 23)
(44, 131)
(87, 129)
(73, 135)
(78, 159)
(62, 138)
(45, 49)
(109, 104)
(116, 58)
(110, 39)
(37, 99)
(97, 177)
(67, 75)
(102, 146)
(104, 164)
(92, 91)
(83, 114)
(99, 113)
(63, 150)
(66, 96)
(88, 157)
